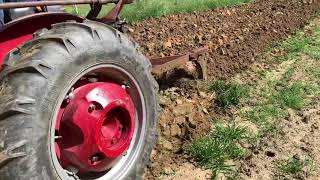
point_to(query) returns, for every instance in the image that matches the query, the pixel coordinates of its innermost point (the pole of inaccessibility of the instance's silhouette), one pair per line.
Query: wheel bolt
(92, 79)
(95, 158)
(92, 107)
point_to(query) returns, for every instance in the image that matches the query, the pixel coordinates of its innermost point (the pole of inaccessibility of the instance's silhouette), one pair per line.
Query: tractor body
(19, 20)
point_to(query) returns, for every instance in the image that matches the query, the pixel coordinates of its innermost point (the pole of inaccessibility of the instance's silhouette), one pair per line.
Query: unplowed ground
(236, 37)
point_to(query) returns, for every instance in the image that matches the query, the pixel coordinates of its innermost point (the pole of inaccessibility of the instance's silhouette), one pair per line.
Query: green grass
(294, 166)
(290, 96)
(276, 101)
(264, 116)
(214, 150)
(291, 85)
(302, 43)
(228, 93)
(143, 9)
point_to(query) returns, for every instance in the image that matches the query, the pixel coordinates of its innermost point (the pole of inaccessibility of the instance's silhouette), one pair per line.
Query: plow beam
(192, 61)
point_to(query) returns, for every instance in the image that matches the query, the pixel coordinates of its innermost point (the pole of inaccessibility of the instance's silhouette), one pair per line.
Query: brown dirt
(299, 138)
(185, 116)
(235, 36)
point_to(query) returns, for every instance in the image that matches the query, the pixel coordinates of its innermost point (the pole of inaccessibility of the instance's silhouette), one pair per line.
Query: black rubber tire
(33, 77)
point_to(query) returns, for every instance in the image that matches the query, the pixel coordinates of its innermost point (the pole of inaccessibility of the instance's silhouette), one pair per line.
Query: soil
(299, 138)
(236, 37)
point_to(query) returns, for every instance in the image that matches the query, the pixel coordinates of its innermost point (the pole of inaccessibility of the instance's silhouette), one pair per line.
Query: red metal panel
(7, 46)
(21, 30)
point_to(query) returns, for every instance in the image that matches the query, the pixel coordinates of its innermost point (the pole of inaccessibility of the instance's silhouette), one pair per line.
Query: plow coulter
(77, 98)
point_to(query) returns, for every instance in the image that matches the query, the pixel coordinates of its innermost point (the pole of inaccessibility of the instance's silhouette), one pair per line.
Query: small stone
(179, 101)
(192, 122)
(130, 30)
(180, 120)
(314, 126)
(221, 176)
(167, 145)
(166, 132)
(173, 96)
(164, 100)
(202, 94)
(167, 44)
(183, 131)
(153, 153)
(205, 111)
(175, 130)
(183, 109)
(167, 170)
(212, 96)
(306, 119)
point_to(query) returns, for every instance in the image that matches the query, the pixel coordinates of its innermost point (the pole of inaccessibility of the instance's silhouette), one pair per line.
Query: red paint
(92, 138)
(7, 46)
(21, 30)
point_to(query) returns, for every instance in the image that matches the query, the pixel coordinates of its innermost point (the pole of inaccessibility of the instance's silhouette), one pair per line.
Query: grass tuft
(214, 150)
(297, 43)
(302, 43)
(290, 96)
(228, 94)
(293, 166)
(264, 116)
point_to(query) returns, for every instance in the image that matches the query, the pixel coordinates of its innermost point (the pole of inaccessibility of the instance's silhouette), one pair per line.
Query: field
(143, 9)
(257, 117)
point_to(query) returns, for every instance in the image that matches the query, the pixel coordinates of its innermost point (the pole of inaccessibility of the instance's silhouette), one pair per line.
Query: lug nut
(95, 159)
(92, 79)
(57, 137)
(92, 107)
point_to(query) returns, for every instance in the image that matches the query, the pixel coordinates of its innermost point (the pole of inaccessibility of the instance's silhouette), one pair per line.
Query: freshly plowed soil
(235, 36)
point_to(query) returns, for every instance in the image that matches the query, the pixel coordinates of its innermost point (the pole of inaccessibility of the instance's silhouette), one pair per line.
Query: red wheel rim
(94, 126)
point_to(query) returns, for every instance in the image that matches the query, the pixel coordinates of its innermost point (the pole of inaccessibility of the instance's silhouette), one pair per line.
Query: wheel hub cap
(96, 127)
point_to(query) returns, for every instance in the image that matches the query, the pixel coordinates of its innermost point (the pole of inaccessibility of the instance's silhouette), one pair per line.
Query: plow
(77, 98)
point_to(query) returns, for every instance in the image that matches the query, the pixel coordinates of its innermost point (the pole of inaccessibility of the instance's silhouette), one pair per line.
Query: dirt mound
(234, 35)
(185, 116)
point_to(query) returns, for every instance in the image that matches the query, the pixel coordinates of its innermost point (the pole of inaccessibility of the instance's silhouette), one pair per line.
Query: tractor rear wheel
(77, 101)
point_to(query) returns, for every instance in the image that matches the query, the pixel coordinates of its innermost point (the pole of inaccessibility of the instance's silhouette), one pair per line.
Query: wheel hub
(96, 127)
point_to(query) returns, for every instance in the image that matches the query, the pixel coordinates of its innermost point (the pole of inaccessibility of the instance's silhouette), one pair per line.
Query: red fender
(21, 30)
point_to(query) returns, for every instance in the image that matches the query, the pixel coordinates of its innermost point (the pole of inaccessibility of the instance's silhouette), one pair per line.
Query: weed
(313, 51)
(294, 166)
(297, 43)
(288, 74)
(212, 151)
(289, 97)
(264, 116)
(228, 94)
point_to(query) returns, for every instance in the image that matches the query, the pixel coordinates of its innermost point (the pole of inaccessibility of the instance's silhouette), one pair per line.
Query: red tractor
(77, 98)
